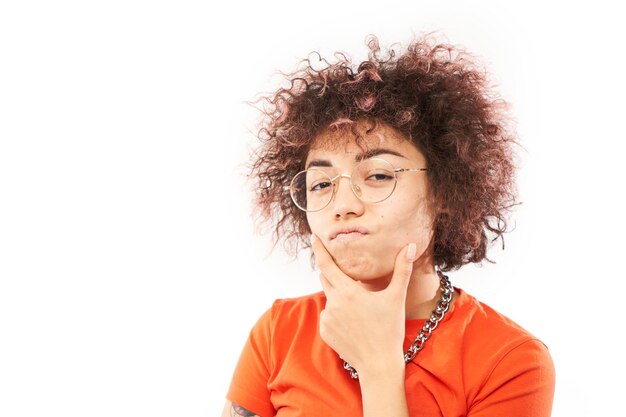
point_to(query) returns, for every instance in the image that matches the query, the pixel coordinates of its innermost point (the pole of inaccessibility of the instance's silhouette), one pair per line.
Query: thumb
(403, 268)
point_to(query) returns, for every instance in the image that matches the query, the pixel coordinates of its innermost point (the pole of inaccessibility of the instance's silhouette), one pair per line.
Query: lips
(348, 237)
(347, 230)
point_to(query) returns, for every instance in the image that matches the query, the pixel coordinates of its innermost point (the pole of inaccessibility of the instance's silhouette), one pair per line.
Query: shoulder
(288, 315)
(314, 302)
(487, 331)
(291, 329)
(486, 326)
(288, 312)
(285, 323)
(496, 349)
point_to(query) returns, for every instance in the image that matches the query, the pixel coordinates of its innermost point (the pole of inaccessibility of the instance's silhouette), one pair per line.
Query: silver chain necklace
(431, 324)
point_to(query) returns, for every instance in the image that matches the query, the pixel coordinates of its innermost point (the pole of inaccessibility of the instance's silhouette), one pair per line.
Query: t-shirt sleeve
(249, 386)
(520, 385)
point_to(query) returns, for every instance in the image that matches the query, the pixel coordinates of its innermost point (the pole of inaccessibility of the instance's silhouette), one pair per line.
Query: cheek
(396, 225)
(413, 223)
(313, 225)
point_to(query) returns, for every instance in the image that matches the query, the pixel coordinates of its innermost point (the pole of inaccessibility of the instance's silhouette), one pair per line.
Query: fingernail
(411, 251)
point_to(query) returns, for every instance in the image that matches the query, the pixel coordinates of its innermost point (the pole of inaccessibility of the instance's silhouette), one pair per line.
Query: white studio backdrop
(130, 273)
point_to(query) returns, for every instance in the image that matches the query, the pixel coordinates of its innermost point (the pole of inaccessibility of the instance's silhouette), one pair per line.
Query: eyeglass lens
(373, 180)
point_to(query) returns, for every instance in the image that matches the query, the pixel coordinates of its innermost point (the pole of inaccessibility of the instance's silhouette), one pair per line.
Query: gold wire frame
(333, 180)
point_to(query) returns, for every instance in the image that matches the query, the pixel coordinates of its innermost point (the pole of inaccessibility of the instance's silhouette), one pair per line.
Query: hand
(365, 328)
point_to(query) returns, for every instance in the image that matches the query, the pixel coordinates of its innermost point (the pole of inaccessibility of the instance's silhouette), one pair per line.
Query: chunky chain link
(431, 324)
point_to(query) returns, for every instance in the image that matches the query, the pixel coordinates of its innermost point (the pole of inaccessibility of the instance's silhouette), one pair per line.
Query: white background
(130, 272)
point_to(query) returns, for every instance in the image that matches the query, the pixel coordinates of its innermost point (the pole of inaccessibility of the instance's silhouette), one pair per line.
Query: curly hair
(438, 98)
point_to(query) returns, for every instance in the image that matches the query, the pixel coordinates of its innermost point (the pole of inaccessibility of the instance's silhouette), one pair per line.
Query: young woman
(393, 174)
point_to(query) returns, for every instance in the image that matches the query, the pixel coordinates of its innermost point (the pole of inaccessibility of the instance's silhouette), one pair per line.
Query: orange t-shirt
(477, 363)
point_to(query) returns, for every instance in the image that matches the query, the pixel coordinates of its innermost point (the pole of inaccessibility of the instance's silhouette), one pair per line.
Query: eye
(320, 186)
(379, 177)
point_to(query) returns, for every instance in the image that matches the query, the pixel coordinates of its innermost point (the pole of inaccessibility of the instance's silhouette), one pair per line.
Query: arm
(383, 394)
(234, 410)
(366, 328)
(520, 385)
(248, 386)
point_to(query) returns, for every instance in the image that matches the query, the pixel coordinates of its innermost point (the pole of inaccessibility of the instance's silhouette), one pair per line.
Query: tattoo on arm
(238, 411)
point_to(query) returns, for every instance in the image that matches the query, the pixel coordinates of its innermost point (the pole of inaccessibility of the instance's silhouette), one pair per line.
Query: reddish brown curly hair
(434, 94)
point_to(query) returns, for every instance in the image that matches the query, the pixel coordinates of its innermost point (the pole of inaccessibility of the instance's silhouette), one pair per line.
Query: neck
(423, 290)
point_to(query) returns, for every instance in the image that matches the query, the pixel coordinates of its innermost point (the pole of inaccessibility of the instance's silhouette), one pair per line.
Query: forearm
(383, 393)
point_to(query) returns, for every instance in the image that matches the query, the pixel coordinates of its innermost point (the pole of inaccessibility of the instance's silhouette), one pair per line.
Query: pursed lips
(348, 233)
(348, 236)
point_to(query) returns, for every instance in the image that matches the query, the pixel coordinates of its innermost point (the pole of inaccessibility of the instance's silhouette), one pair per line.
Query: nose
(344, 199)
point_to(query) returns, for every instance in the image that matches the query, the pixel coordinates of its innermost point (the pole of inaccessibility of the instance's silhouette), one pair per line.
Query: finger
(326, 285)
(403, 268)
(327, 265)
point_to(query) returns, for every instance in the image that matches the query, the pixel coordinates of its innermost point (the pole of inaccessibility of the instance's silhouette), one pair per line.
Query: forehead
(350, 141)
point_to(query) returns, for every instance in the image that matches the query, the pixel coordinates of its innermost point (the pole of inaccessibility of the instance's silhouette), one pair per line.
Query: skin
(375, 282)
(407, 216)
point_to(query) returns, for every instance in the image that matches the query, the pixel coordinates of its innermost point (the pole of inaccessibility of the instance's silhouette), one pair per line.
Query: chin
(363, 262)
(363, 270)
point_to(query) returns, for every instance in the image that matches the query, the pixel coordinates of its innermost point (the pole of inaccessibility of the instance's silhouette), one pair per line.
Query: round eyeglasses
(372, 181)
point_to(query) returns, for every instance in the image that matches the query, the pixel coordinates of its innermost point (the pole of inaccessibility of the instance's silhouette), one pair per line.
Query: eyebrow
(358, 158)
